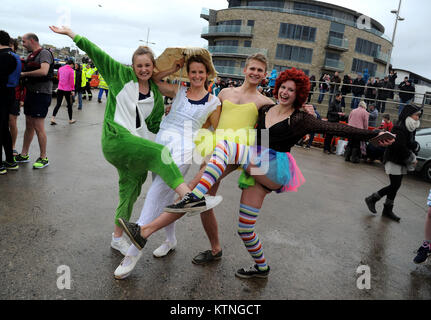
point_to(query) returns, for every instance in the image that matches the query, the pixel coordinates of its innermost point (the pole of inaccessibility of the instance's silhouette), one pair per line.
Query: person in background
(87, 72)
(358, 118)
(80, 82)
(346, 88)
(407, 95)
(399, 158)
(323, 87)
(424, 251)
(383, 94)
(386, 124)
(8, 66)
(334, 86)
(357, 91)
(392, 77)
(103, 87)
(16, 97)
(372, 119)
(312, 134)
(37, 75)
(335, 114)
(66, 87)
(370, 92)
(313, 86)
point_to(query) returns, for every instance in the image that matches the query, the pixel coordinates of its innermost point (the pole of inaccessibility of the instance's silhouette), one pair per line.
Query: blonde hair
(362, 104)
(144, 50)
(258, 57)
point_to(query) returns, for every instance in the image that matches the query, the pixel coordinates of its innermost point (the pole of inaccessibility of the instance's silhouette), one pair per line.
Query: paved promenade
(314, 240)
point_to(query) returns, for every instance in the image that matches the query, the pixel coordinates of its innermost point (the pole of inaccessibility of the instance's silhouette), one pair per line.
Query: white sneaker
(126, 266)
(164, 249)
(121, 245)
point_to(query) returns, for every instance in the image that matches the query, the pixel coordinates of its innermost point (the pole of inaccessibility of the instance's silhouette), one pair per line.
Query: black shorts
(36, 104)
(12, 103)
(14, 108)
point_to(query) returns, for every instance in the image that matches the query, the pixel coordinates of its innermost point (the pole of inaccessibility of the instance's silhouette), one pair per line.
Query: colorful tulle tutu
(279, 167)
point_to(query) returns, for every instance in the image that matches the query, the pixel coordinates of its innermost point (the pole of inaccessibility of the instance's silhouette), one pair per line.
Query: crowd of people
(373, 90)
(135, 107)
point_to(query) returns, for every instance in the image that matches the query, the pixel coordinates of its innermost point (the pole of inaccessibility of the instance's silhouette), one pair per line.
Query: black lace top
(284, 134)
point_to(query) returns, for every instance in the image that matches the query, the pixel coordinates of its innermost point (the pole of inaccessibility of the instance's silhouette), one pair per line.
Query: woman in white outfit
(192, 109)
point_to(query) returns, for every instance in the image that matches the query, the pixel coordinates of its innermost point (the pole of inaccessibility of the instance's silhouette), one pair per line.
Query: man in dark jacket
(357, 91)
(8, 64)
(392, 77)
(334, 86)
(335, 114)
(383, 94)
(407, 95)
(345, 89)
(370, 91)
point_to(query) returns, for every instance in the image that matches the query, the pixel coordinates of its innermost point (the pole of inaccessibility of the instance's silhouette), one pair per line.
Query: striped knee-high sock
(247, 221)
(225, 153)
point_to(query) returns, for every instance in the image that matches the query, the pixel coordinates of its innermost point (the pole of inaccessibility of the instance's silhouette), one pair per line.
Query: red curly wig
(302, 85)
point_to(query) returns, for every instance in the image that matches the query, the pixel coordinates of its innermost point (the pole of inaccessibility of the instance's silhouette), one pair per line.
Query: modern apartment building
(314, 36)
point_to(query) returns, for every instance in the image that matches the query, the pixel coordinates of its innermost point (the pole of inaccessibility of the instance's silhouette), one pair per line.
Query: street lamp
(398, 18)
(148, 35)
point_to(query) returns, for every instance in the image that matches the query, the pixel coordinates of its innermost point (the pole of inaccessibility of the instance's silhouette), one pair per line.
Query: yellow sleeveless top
(234, 124)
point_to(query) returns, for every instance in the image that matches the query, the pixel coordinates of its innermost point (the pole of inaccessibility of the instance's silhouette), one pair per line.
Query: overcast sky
(117, 26)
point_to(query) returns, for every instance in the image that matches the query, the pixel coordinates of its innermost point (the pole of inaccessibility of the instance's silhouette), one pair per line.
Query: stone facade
(266, 35)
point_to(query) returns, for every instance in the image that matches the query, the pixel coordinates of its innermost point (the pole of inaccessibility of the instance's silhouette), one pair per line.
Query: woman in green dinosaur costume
(133, 108)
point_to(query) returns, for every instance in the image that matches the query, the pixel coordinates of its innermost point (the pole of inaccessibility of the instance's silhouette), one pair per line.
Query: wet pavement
(314, 240)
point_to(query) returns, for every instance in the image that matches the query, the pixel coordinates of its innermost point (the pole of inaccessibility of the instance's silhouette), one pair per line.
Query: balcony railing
(338, 43)
(235, 50)
(228, 30)
(205, 14)
(333, 64)
(235, 71)
(382, 57)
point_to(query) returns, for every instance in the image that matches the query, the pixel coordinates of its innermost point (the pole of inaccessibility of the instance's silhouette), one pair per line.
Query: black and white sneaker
(252, 272)
(189, 203)
(133, 231)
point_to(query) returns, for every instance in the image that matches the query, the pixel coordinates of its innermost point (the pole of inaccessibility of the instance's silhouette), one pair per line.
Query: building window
(333, 56)
(297, 32)
(234, 3)
(230, 23)
(229, 43)
(250, 23)
(428, 98)
(280, 68)
(268, 4)
(316, 9)
(359, 66)
(367, 47)
(299, 54)
(247, 43)
(242, 64)
(224, 63)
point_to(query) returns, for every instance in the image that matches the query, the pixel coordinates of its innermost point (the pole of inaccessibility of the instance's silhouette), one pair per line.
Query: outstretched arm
(341, 130)
(108, 67)
(63, 30)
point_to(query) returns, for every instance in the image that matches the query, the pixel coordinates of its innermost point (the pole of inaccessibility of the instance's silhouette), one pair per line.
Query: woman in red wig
(270, 164)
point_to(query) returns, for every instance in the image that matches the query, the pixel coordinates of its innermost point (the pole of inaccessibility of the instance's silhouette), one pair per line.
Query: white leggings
(158, 197)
